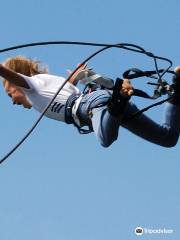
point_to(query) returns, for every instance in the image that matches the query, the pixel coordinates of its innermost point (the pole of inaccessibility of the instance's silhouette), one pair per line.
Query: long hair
(25, 66)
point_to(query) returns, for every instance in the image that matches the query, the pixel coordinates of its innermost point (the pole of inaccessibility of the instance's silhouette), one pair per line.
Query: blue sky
(59, 184)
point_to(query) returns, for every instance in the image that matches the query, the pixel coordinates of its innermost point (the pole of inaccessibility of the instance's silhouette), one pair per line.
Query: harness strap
(71, 116)
(75, 108)
(68, 108)
(117, 103)
(162, 87)
(176, 86)
(136, 73)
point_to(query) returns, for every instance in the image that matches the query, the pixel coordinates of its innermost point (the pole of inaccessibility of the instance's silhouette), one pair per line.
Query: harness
(117, 103)
(161, 86)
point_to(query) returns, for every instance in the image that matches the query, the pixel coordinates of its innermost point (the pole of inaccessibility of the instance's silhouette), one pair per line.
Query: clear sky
(59, 184)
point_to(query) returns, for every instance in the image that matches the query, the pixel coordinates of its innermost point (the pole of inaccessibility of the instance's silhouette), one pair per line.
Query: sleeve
(35, 82)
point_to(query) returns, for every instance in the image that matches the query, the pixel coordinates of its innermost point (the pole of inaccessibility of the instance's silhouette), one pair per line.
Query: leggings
(106, 126)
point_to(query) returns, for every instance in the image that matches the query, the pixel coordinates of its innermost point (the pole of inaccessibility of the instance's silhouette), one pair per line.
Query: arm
(74, 79)
(13, 77)
(87, 76)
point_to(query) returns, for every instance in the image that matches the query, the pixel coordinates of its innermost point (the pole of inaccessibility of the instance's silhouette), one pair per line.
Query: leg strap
(176, 85)
(117, 103)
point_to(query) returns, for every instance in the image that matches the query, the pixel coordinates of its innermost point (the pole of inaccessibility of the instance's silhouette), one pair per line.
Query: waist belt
(71, 117)
(68, 108)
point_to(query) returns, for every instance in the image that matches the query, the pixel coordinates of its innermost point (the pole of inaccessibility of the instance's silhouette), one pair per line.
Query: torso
(42, 89)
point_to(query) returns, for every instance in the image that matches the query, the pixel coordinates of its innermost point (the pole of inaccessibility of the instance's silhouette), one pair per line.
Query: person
(101, 108)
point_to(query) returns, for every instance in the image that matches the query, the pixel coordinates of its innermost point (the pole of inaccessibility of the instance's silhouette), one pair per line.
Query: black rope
(125, 46)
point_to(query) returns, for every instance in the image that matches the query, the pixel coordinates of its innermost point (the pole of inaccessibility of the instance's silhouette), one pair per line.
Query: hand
(73, 77)
(127, 88)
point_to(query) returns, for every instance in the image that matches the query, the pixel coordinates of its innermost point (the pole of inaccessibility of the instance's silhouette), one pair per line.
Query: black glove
(117, 103)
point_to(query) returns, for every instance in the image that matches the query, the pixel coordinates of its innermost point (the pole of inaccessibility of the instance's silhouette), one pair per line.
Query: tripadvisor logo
(139, 231)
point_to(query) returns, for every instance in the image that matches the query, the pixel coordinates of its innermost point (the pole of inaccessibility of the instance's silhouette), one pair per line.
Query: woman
(100, 109)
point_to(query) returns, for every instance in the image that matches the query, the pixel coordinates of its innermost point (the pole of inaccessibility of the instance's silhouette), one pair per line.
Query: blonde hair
(25, 66)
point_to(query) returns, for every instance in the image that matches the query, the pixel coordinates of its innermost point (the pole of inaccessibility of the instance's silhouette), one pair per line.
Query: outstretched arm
(13, 77)
(74, 78)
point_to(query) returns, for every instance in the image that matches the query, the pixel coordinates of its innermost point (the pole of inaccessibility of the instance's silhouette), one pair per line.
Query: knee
(170, 140)
(171, 143)
(106, 144)
(106, 141)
